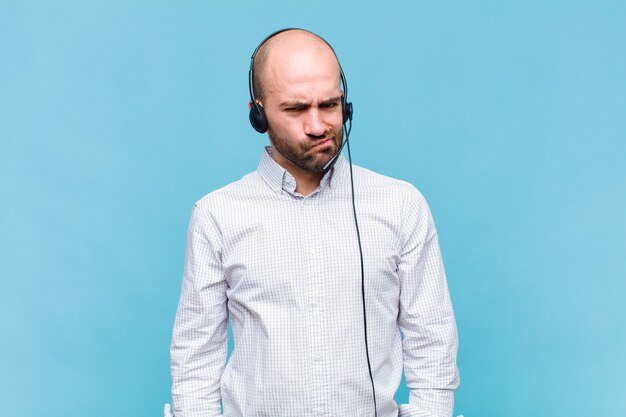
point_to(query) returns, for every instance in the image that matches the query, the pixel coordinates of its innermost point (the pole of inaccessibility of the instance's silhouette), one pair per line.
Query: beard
(305, 155)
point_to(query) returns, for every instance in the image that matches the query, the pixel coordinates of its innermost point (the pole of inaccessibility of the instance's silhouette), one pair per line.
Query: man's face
(303, 107)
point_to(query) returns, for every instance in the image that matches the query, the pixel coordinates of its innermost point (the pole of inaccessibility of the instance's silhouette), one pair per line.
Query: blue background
(115, 117)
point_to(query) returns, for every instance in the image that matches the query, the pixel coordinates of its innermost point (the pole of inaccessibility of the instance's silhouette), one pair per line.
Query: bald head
(294, 47)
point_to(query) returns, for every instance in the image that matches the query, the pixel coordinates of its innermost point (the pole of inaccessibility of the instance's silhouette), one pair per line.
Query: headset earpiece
(346, 109)
(257, 118)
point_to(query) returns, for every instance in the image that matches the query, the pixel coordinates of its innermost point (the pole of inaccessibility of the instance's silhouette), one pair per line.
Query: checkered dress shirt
(285, 269)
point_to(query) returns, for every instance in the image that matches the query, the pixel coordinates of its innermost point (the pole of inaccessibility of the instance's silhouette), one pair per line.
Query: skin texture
(302, 102)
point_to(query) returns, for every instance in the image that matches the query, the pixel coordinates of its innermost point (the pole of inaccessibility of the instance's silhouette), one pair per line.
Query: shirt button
(318, 358)
(315, 304)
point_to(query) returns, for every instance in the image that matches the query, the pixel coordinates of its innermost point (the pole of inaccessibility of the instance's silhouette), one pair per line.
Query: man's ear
(257, 102)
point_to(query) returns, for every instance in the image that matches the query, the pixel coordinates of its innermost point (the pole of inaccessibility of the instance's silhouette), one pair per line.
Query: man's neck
(306, 181)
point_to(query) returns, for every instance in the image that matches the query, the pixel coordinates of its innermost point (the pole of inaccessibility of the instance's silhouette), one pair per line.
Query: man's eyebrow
(294, 104)
(305, 105)
(330, 101)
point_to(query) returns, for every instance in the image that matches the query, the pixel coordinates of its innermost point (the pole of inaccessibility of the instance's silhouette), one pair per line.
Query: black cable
(358, 236)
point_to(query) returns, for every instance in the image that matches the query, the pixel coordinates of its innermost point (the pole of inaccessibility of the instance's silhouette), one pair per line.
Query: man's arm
(200, 336)
(426, 317)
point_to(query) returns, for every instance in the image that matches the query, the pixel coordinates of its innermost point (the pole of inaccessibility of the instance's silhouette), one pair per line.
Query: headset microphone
(332, 160)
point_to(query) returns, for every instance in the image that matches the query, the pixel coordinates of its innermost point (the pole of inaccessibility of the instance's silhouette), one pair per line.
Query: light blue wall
(115, 117)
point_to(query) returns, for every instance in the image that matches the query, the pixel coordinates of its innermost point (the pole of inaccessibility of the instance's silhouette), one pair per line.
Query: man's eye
(329, 105)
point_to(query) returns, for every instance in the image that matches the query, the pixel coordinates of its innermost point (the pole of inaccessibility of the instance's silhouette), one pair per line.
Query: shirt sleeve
(200, 336)
(426, 317)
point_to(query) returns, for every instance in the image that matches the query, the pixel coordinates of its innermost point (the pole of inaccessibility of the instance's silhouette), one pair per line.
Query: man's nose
(314, 125)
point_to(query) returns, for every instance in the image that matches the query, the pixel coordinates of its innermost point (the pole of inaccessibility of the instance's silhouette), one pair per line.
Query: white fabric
(286, 270)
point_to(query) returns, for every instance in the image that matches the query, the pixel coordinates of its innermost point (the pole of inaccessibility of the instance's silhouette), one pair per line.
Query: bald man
(276, 253)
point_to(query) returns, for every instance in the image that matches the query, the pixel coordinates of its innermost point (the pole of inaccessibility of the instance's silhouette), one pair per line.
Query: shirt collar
(278, 178)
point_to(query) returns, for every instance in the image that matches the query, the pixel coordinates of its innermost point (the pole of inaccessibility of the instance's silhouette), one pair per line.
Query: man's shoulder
(394, 197)
(371, 181)
(231, 194)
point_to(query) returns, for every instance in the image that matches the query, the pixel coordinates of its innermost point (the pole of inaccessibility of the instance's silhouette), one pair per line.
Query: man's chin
(320, 162)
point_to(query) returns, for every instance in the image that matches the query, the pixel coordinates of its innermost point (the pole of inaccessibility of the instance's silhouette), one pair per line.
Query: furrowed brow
(295, 105)
(301, 105)
(333, 100)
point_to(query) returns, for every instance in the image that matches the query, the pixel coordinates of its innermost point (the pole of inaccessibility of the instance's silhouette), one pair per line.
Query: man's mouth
(323, 142)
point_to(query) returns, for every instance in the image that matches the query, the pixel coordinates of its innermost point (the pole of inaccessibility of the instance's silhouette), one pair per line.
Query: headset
(257, 114)
(258, 120)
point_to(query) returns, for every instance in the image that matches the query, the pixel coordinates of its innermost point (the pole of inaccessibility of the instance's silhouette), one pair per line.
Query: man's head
(297, 83)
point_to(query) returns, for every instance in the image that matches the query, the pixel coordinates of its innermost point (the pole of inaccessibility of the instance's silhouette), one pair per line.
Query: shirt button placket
(315, 307)
(315, 311)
